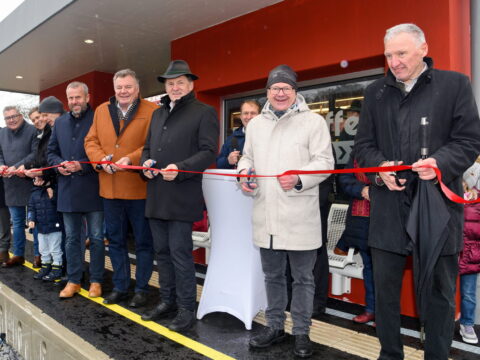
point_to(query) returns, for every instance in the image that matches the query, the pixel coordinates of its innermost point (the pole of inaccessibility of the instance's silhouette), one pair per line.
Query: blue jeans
(36, 250)
(18, 215)
(274, 263)
(173, 245)
(73, 245)
(117, 211)
(368, 281)
(468, 290)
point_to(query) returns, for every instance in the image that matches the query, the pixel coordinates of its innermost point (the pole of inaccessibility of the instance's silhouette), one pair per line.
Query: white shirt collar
(412, 82)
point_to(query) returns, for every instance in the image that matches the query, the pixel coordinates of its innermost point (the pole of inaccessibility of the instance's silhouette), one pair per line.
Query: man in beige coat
(286, 216)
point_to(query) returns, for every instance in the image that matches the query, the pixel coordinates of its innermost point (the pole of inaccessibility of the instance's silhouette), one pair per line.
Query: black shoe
(44, 271)
(115, 297)
(55, 275)
(184, 320)
(266, 338)
(138, 300)
(160, 311)
(303, 346)
(320, 310)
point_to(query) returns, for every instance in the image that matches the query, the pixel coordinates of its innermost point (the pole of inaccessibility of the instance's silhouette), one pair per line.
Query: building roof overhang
(44, 41)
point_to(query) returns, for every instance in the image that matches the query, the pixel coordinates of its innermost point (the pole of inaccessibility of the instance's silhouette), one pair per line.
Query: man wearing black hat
(183, 135)
(286, 221)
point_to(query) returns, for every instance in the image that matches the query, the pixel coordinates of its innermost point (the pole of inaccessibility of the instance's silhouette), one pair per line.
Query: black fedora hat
(175, 69)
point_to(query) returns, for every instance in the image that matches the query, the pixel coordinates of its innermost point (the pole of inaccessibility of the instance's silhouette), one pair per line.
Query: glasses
(246, 113)
(276, 90)
(11, 117)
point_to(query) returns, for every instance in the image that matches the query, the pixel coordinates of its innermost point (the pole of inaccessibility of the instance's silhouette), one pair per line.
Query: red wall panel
(99, 84)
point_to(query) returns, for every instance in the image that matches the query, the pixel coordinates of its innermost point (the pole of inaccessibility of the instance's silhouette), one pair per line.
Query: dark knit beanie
(51, 105)
(282, 74)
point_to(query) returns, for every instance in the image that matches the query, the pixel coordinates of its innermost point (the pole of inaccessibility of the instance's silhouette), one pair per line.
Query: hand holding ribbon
(170, 172)
(246, 183)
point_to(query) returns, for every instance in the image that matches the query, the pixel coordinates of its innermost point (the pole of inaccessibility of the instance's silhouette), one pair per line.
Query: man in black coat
(389, 131)
(183, 135)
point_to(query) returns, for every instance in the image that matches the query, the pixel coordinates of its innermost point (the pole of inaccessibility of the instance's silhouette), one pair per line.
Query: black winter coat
(389, 129)
(187, 136)
(79, 191)
(43, 211)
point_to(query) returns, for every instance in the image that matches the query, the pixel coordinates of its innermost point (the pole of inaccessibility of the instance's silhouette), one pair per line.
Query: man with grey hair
(78, 196)
(388, 134)
(118, 134)
(18, 143)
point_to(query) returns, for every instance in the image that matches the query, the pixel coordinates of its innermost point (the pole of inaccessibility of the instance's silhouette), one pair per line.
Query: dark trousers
(172, 241)
(321, 270)
(117, 212)
(439, 320)
(274, 265)
(320, 274)
(5, 234)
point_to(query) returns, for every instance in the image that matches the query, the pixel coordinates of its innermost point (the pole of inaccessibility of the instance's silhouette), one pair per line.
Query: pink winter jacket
(470, 256)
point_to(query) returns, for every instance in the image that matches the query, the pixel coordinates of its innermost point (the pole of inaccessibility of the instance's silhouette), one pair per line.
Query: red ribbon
(447, 192)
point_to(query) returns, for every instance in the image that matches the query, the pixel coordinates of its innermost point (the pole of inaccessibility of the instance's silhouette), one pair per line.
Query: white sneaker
(468, 334)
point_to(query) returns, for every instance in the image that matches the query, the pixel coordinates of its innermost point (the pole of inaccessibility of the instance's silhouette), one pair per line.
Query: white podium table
(234, 282)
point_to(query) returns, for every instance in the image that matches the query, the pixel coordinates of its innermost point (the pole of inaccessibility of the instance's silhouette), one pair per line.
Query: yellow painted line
(162, 330)
(155, 327)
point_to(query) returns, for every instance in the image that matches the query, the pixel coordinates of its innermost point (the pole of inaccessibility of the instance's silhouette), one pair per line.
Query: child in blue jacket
(42, 214)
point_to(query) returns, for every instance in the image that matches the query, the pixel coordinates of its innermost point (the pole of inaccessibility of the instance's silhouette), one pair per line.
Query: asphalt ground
(122, 336)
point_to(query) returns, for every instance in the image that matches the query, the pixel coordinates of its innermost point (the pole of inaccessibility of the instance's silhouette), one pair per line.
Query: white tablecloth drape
(234, 281)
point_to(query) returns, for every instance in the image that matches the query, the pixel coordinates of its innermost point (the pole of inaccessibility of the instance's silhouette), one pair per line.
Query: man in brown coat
(118, 133)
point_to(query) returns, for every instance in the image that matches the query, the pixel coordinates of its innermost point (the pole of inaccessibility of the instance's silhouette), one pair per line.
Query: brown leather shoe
(95, 290)
(14, 261)
(4, 256)
(69, 291)
(37, 262)
(339, 251)
(87, 243)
